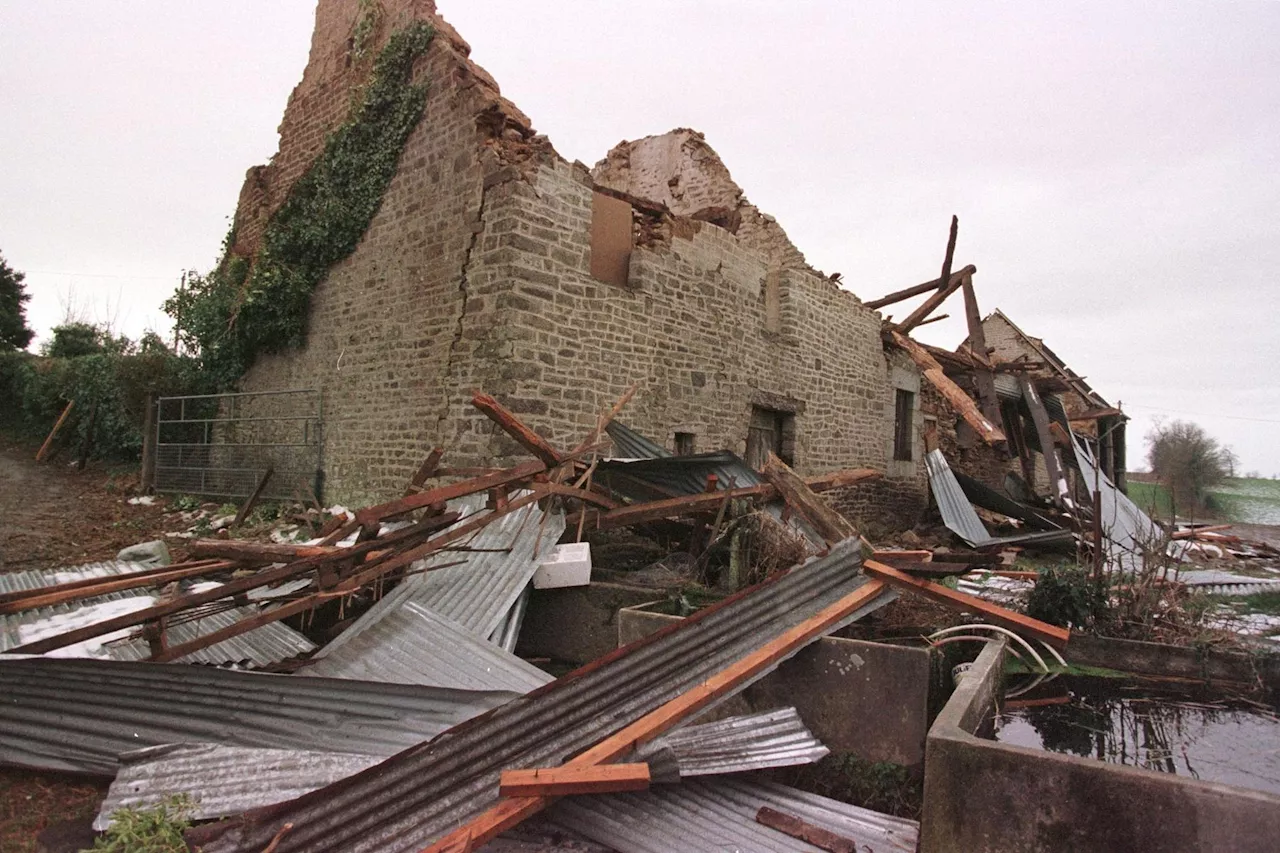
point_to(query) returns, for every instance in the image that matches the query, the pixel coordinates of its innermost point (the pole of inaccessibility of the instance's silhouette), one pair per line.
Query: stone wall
(475, 274)
(690, 327)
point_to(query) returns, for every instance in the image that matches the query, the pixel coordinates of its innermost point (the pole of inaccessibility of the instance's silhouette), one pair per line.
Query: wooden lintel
(561, 781)
(516, 428)
(997, 615)
(954, 394)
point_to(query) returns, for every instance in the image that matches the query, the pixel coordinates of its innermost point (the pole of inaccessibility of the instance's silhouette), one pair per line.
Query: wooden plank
(30, 599)
(511, 812)
(440, 494)
(248, 506)
(1040, 418)
(425, 471)
(1051, 634)
(955, 395)
(57, 425)
(514, 427)
(804, 831)
(984, 379)
(561, 781)
(929, 305)
(594, 435)
(907, 293)
(710, 502)
(830, 525)
(584, 495)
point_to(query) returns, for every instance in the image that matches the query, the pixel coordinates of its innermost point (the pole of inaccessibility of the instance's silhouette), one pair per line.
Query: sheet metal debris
(262, 646)
(81, 715)
(737, 744)
(716, 815)
(959, 516)
(419, 795)
(410, 644)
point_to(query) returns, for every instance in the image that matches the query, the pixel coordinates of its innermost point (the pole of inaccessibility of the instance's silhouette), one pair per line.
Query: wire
(1201, 415)
(103, 275)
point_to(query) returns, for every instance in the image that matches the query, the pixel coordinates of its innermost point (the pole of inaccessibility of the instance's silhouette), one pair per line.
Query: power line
(104, 275)
(1202, 415)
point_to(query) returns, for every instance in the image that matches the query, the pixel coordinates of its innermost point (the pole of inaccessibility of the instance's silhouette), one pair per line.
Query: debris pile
(416, 726)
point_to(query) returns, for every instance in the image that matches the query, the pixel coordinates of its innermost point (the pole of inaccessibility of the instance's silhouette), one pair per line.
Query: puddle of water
(1150, 725)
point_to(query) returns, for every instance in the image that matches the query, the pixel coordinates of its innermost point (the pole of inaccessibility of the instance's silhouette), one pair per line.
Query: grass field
(1244, 500)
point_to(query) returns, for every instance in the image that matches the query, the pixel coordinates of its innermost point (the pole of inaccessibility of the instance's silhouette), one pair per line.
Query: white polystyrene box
(568, 565)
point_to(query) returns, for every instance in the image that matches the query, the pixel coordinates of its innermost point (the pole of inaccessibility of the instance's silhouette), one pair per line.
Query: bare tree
(1188, 461)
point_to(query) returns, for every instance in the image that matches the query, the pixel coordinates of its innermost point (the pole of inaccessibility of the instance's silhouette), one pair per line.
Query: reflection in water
(1145, 724)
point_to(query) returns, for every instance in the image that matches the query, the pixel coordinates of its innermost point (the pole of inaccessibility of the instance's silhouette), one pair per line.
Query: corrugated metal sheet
(415, 797)
(478, 593)
(959, 516)
(508, 632)
(79, 715)
(413, 645)
(717, 815)
(222, 780)
(750, 742)
(1128, 530)
(261, 646)
(629, 444)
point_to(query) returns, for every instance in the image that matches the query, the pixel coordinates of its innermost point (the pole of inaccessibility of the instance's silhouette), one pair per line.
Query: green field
(1248, 500)
(1245, 500)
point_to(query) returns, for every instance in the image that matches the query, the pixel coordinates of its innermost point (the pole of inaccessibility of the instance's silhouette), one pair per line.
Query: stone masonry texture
(475, 275)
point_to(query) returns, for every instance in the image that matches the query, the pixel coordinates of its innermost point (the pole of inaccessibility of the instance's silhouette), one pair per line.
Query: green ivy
(243, 309)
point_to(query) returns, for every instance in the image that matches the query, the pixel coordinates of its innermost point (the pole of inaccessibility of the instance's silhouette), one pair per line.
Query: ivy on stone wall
(242, 309)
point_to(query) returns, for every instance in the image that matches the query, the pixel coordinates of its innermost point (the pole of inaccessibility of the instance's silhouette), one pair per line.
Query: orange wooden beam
(1051, 634)
(512, 811)
(560, 781)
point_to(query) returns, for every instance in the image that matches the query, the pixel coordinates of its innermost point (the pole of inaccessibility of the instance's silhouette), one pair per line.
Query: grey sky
(1114, 167)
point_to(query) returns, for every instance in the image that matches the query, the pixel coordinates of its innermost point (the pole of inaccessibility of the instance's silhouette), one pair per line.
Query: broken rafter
(955, 395)
(706, 502)
(927, 286)
(830, 525)
(505, 477)
(30, 599)
(978, 349)
(514, 427)
(997, 615)
(425, 471)
(608, 418)
(929, 305)
(513, 811)
(1040, 418)
(371, 571)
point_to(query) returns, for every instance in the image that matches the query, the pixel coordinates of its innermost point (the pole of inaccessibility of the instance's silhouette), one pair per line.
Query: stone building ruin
(494, 264)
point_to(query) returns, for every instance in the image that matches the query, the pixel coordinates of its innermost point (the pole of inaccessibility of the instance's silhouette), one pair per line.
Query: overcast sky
(1115, 167)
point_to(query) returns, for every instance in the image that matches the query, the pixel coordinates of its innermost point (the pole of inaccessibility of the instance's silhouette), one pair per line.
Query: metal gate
(222, 444)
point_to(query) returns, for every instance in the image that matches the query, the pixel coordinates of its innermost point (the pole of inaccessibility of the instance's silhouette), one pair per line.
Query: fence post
(149, 445)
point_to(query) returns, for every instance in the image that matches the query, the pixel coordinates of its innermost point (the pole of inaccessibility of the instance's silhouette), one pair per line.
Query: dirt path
(52, 515)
